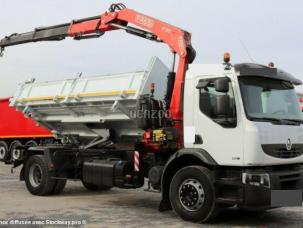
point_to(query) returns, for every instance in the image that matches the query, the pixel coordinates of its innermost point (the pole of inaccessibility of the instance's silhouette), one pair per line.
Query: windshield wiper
(294, 121)
(278, 121)
(269, 119)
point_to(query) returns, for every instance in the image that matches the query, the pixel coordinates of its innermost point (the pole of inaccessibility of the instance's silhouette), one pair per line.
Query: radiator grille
(280, 150)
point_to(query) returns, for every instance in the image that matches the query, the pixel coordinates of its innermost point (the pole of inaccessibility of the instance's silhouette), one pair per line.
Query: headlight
(256, 179)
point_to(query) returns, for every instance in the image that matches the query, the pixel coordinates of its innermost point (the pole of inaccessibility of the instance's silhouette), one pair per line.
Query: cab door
(221, 135)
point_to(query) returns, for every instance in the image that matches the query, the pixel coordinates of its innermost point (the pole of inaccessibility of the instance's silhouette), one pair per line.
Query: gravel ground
(117, 208)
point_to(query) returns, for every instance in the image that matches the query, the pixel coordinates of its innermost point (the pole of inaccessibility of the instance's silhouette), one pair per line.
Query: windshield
(266, 98)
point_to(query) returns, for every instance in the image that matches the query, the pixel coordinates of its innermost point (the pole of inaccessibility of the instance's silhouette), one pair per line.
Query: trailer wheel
(192, 194)
(15, 153)
(59, 187)
(93, 187)
(4, 152)
(37, 177)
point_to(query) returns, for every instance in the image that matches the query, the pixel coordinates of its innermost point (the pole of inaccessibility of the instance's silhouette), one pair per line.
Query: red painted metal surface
(13, 124)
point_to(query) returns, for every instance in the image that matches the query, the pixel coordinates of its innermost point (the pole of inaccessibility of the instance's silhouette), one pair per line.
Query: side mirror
(222, 85)
(222, 108)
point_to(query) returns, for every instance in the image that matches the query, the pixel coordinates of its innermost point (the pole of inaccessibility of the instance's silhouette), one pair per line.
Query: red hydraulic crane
(116, 18)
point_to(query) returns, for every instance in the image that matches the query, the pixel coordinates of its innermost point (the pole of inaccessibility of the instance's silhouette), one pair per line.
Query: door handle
(198, 139)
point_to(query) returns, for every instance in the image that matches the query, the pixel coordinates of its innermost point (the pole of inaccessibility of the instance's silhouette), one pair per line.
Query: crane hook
(116, 6)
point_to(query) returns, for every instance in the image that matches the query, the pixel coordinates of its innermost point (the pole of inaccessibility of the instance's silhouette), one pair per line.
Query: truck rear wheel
(192, 194)
(37, 177)
(93, 187)
(4, 152)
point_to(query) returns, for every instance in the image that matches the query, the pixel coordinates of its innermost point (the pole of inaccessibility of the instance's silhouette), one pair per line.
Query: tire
(37, 177)
(93, 187)
(59, 187)
(192, 194)
(4, 152)
(13, 146)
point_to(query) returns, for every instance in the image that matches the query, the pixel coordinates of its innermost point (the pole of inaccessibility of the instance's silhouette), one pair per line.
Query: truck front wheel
(192, 194)
(37, 177)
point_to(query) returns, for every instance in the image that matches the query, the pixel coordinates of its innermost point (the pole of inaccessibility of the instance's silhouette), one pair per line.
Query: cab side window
(207, 103)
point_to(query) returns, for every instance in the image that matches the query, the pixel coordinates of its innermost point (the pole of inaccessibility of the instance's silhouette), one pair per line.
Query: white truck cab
(247, 118)
(262, 124)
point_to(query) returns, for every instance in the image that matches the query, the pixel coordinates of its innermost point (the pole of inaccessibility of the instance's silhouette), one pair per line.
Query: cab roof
(243, 69)
(252, 69)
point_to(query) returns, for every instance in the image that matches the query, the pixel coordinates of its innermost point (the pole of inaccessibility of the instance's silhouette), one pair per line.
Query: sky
(262, 30)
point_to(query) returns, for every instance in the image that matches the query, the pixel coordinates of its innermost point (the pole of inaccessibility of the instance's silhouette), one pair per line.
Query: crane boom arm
(119, 17)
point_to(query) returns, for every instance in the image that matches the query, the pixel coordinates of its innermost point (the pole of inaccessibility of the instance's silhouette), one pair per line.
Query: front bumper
(285, 183)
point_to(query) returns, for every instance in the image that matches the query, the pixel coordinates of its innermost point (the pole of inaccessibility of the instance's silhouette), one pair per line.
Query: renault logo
(288, 145)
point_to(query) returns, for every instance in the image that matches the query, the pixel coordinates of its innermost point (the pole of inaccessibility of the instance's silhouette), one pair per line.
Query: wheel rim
(191, 195)
(13, 149)
(2, 152)
(35, 175)
(16, 154)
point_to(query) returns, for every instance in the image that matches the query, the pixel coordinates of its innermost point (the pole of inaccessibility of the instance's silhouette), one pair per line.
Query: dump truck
(205, 136)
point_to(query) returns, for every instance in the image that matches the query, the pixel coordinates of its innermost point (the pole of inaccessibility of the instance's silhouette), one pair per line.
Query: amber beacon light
(226, 57)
